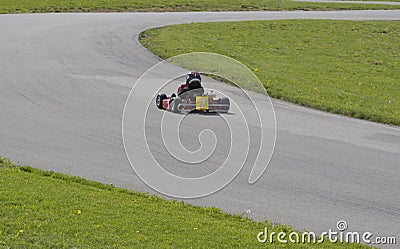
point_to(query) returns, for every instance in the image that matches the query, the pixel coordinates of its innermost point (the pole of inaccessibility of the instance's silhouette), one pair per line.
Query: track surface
(354, 2)
(64, 81)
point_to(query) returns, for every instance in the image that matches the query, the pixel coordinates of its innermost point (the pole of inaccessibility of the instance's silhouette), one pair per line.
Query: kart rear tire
(225, 101)
(159, 100)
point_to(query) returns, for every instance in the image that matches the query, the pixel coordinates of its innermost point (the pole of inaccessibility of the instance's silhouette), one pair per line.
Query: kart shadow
(203, 113)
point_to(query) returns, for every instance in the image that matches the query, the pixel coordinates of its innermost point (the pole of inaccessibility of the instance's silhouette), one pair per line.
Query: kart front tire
(159, 100)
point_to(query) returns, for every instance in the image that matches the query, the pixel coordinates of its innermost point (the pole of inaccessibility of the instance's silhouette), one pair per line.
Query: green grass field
(346, 67)
(48, 210)
(34, 6)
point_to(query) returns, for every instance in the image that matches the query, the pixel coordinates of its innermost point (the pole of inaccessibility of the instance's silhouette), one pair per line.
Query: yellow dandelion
(195, 228)
(256, 70)
(78, 212)
(21, 231)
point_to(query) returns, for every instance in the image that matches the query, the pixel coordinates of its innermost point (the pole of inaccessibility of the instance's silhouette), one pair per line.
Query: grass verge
(35, 6)
(42, 209)
(344, 67)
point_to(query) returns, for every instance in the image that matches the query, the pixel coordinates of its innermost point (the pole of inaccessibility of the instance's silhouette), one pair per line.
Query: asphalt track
(64, 80)
(353, 2)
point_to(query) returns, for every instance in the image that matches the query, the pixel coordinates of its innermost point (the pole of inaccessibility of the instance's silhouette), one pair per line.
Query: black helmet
(192, 77)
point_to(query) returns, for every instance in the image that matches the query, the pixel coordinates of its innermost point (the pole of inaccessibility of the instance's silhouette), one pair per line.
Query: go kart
(193, 100)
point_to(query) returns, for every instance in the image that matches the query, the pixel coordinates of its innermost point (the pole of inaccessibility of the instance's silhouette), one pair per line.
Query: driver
(193, 81)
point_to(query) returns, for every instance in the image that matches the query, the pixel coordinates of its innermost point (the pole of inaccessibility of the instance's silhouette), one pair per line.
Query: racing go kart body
(193, 100)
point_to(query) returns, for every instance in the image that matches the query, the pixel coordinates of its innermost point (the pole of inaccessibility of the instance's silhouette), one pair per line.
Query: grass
(345, 67)
(42, 209)
(35, 6)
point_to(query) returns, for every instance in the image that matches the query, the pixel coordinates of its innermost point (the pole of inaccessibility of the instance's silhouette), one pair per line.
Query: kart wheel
(159, 100)
(225, 101)
(175, 104)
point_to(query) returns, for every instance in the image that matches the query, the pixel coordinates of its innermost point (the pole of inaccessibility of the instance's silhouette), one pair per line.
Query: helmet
(193, 76)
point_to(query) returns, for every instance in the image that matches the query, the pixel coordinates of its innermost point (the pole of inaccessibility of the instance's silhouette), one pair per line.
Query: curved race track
(64, 79)
(353, 2)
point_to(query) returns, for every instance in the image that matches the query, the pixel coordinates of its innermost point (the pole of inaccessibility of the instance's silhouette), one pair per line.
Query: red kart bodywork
(165, 103)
